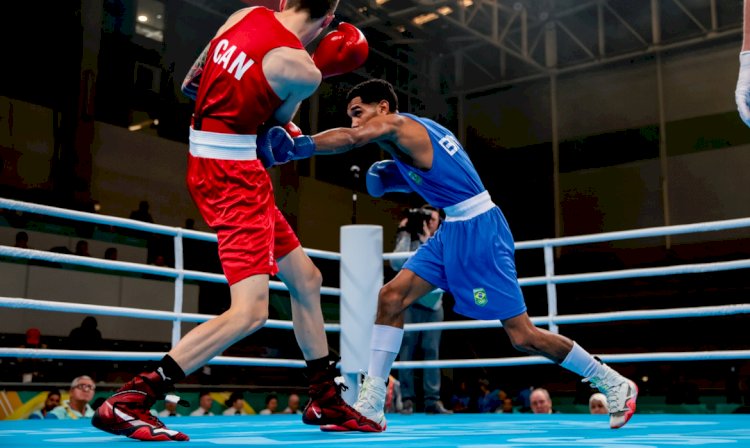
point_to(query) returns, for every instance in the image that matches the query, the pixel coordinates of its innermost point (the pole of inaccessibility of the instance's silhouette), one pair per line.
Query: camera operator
(419, 225)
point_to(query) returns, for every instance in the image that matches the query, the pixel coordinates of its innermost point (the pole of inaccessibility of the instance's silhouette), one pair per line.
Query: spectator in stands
(51, 402)
(142, 214)
(682, 391)
(461, 399)
(489, 399)
(235, 404)
(507, 407)
(272, 404)
(393, 400)
(22, 240)
(31, 368)
(170, 407)
(541, 402)
(110, 253)
(160, 260)
(598, 404)
(81, 392)
(82, 248)
(87, 336)
(524, 399)
(204, 405)
(292, 405)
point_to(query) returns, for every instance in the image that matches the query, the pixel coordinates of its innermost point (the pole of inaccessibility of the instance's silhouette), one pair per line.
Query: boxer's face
(361, 113)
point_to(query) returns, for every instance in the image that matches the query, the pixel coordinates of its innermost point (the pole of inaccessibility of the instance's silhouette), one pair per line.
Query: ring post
(361, 279)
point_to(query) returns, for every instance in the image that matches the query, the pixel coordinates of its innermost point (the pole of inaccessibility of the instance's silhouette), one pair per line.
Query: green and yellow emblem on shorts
(480, 296)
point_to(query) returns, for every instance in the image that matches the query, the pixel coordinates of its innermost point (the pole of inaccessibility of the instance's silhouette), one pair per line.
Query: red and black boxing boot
(326, 407)
(128, 411)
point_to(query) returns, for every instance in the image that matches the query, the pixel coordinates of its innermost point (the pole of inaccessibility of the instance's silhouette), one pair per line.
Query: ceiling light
(142, 18)
(400, 28)
(445, 10)
(381, 2)
(424, 18)
(158, 16)
(465, 3)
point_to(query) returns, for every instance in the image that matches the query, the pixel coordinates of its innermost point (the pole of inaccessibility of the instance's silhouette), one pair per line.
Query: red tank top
(234, 95)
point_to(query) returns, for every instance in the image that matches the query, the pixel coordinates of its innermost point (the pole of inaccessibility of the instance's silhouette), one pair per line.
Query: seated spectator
(272, 404)
(22, 240)
(461, 399)
(87, 336)
(507, 407)
(160, 260)
(51, 402)
(292, 406)
(110, 253)
(170, 407)
(204, 405)
(598, 404)
(489, 399)
(235, 404)
(524, 399)
(82, 248)
(81, 392)
(541, 402)
(142, 214)
(32, 368)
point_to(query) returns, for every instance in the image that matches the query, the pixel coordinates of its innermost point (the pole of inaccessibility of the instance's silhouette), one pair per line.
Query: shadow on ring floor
(464, 430)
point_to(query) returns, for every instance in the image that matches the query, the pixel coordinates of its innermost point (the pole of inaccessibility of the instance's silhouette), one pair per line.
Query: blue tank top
(452, 178)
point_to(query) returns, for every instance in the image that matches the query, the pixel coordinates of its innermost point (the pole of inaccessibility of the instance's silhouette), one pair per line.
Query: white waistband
(214, 145)
(474, 206)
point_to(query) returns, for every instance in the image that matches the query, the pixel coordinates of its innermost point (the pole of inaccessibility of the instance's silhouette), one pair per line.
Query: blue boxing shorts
(474, 260)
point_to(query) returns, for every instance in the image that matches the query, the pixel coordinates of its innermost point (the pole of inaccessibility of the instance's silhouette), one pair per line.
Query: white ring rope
(132, 224)
(126, 266)
(104, 355)
(533, 360)
(696, 268)
(709, 226)
(104, 310)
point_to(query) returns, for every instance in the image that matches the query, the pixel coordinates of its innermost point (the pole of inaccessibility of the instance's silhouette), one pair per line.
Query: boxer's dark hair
(375, 91)
(317, 8)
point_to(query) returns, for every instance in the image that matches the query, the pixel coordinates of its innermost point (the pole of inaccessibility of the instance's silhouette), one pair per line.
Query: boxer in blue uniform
(471, 255)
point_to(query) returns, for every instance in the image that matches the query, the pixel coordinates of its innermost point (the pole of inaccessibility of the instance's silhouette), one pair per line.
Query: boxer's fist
(384, 177)
(341, 51)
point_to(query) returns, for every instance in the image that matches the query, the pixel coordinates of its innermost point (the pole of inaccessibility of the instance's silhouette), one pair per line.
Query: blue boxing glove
(384, 177)
(275, 146)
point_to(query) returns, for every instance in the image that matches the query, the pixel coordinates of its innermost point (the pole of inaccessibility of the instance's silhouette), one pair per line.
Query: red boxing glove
(341, 51)
(292, 129)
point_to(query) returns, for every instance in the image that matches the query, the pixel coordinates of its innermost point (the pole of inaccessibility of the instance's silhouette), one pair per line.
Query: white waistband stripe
(474, 206)
(215, 145)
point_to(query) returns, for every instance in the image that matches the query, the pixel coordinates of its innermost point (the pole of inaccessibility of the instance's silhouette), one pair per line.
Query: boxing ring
(361, 266)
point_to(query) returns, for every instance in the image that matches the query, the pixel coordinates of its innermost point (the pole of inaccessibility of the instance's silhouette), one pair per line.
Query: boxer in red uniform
(255, 70)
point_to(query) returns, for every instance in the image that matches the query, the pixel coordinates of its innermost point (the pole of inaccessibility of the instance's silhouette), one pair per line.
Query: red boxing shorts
(235, 197)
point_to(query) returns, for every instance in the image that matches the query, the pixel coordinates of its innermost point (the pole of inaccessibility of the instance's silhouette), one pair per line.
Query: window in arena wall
(149, 20)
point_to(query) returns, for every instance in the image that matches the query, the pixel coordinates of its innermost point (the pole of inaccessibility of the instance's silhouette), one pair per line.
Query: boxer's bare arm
(293, 76)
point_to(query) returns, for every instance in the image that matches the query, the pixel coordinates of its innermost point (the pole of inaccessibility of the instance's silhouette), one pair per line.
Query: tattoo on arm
(193, 78)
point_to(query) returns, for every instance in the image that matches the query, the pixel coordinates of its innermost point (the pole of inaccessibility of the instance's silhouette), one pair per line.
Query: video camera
(416, 219)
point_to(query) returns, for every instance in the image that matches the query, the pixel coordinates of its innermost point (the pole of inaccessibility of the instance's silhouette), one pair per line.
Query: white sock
(384, 347)
(581, 362)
